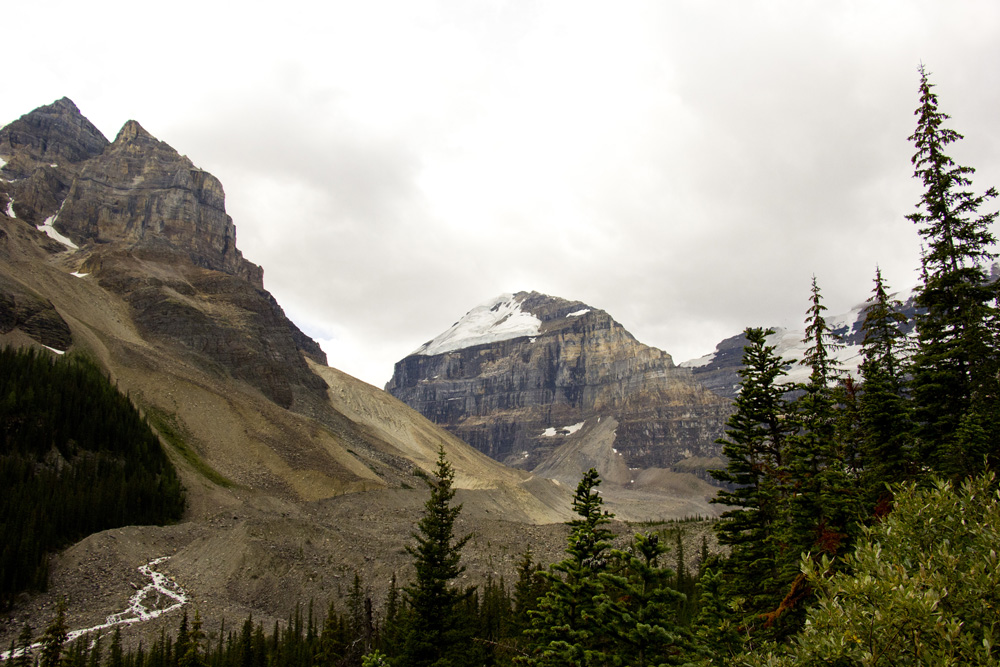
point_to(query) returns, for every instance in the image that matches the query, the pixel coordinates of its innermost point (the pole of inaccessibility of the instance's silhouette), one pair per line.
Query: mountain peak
(500, 318)
(55, 133)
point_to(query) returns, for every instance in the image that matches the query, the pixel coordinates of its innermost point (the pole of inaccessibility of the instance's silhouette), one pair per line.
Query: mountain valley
(297, 475)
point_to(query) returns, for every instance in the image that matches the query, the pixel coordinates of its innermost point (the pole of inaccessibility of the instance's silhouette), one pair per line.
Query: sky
(687, 167)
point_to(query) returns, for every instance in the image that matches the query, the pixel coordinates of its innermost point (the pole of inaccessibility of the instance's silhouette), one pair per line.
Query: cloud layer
(686, 166)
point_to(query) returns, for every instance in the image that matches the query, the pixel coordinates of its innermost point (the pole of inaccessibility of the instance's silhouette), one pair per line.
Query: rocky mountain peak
(148, 225)
(56, 133)
(516, 372)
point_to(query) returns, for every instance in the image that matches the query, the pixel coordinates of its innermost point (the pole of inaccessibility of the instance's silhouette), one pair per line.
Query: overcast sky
(685, 166)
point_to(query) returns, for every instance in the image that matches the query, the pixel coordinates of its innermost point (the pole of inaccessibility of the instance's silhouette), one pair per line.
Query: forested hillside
(75, 458)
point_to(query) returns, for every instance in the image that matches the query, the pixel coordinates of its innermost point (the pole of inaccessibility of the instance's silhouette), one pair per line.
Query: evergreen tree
(437, 634)
(566, 627)
(24, 641)
(639, 606)
(755, 447)
(955, 368)
(885, 415)
(819, 499)
(54, 638)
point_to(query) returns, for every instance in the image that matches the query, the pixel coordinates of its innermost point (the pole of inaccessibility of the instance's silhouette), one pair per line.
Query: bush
(921, 588)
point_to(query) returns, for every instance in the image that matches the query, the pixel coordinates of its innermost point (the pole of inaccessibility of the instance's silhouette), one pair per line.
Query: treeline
(75, 458)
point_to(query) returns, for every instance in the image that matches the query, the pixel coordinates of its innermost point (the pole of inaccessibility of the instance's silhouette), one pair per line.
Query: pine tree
(25, 640)
(54, 638)
(639, 606)
(566, 627)
(885, 415)
(955, 368)
(820, 499)
(755, 447)
(437, 633)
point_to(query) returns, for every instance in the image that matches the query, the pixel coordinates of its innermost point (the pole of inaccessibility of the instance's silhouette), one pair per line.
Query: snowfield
(495, 320)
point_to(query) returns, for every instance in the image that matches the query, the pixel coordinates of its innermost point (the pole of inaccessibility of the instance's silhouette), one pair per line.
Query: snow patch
(51, 232)
(52, 349)
(565, 430)
(79, 275)
(10, 209)
(579, 313)
(699, 362)
(496, 320)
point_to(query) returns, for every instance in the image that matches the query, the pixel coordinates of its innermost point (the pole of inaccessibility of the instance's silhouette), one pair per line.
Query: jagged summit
(55, 133)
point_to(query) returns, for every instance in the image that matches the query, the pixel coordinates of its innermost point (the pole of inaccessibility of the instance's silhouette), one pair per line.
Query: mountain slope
(295, 472)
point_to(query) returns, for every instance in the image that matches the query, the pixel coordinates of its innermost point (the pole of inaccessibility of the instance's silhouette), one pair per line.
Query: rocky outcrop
(543, 368)
(20, 308)
(53, 134)
(152, 228)
(141, 192)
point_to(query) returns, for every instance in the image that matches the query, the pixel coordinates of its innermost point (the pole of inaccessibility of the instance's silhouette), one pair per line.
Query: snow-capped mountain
(719, 369)
(553, 386)
(498, 319)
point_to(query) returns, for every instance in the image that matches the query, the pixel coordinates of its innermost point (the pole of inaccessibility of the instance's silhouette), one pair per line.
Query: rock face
(20, 308)
(153, 228)
(525, 374)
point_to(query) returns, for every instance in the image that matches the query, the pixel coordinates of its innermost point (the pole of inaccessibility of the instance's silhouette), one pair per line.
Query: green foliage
(885, 413)
(168, 429)
(955, 368)
(756, 445)
(639, 606)
(819, 496)
(921, 588)
(75, 458)
(566, 627)
(437, 632)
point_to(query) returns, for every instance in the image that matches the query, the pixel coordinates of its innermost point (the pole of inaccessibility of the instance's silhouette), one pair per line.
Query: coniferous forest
(860, 524)
(75, 458)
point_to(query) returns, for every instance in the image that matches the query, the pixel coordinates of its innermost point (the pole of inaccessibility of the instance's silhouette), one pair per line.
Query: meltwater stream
(159, 596)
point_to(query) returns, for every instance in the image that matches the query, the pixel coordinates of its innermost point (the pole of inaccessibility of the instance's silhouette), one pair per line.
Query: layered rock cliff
(526, 374)
(151, 227)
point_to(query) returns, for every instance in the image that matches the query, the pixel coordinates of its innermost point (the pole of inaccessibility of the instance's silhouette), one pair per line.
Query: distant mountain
(295, 472)
(556, 386)
(719, 370)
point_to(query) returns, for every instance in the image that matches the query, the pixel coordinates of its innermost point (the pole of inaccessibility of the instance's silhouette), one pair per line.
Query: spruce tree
(640, 606)
(566, 627)
(819, 495)
(955, 369)
(54, 638)
(885, 414)
(755, 446)
(437, 633)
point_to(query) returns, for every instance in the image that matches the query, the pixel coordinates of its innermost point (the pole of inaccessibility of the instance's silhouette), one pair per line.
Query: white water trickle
(160, 596)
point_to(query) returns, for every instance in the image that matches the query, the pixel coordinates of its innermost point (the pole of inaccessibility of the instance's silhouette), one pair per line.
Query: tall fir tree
(755, 447)
(956, 389)
(437, 633)
(567, 628)
(639, 607)
(820, 498)
(885, 413)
